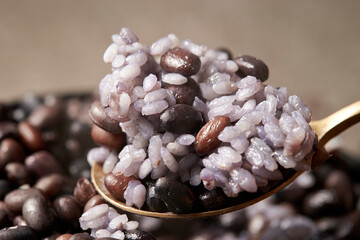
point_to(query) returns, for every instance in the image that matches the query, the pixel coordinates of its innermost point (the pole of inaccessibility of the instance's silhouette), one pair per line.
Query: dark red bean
(180, 60)
(19, 221)
(37, 213)
(65, 236)
(51, 185)
(84, 190)
(98, 116)
(15, 199)
(116, 184)
(44, 116)
(251, 66)
(42, 163)
(68, 210)
(108, 139)
(184, 93)
(206, 139)
(95, 200)
(11, 151)
(17, 173)
(30, 136)
(181, 119)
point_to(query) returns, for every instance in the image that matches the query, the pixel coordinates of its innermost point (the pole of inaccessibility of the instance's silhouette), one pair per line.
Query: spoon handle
(336, 123)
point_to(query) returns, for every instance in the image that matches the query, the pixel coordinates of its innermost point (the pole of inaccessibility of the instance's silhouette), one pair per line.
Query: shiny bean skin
(206, 139)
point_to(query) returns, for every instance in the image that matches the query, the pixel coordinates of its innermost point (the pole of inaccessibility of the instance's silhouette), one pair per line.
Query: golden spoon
(325, 128)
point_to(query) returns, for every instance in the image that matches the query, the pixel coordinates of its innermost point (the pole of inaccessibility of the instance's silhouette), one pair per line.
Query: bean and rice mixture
(46, 193)
(185, 119)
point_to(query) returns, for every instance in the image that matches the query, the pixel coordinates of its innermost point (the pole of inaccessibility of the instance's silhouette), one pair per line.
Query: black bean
(177, 197)
(37, 214)
(138, 235)
(294, 193)
(213, 199)
(233, 220)
(251, 66)
(184, 93)
(181, 119)
(15, 199)
(153, 201)
(299, 227)
(30, 136)
(18, 233)
(179, 60)
(340, 181)
(42, 163)
(98, 116)
(68, 210)
(349, 227)
(327, 226)
(323, 202)
(84, 190)
(10, 151)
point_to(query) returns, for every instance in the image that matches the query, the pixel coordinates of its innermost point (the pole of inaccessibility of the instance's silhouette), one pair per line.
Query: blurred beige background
(312, 47)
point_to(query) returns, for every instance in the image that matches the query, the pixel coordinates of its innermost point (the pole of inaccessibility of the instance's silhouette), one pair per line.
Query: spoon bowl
(326, 129)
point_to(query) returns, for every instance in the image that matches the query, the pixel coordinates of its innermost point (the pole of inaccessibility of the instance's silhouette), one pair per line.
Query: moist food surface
(196, 117)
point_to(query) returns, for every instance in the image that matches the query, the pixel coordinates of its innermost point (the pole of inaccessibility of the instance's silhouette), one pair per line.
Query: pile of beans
(44, 183)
